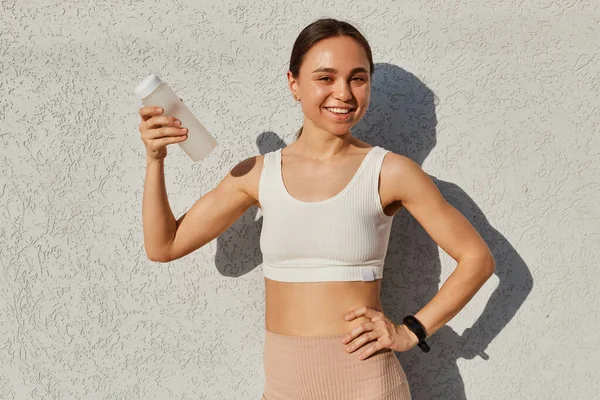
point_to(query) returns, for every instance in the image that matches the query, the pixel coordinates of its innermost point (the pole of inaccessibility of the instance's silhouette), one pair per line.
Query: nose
(343, 91)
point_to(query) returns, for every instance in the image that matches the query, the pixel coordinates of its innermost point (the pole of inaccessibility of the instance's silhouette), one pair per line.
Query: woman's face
(334, 73)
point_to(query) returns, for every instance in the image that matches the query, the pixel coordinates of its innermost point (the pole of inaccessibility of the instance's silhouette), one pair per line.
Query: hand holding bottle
(158, 131)
(153, 93)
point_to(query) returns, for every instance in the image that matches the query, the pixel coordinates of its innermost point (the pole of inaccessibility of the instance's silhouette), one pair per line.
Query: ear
(293, 84)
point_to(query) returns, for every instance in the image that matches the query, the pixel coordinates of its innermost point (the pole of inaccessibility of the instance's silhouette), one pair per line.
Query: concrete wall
(498, 100)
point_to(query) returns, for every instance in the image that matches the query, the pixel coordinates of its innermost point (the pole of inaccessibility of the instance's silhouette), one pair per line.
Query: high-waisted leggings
(319, 368)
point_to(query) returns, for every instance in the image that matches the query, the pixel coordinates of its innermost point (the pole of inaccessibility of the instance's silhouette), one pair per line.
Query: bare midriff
(317, 308)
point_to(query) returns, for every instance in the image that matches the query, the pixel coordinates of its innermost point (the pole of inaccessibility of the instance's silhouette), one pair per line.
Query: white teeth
(339, 110)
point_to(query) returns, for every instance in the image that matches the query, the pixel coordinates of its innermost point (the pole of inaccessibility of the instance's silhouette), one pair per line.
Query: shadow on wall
(402, 118)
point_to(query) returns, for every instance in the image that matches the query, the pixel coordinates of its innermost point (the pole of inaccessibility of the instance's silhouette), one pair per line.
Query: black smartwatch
(417, 328)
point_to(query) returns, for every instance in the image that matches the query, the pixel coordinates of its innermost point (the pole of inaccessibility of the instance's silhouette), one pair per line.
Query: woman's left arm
(450, 230)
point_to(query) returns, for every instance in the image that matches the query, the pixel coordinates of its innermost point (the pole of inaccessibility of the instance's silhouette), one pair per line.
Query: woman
(328, 201)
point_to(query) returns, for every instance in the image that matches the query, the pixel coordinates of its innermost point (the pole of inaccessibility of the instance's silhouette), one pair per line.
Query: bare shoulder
(401, 178)
(397, 166)
(248, 167)
(246, 175)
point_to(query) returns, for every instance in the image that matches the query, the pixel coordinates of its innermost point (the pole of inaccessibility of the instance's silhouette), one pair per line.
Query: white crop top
(342, 238)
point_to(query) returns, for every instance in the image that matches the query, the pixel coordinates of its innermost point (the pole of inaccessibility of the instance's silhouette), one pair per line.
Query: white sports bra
(342, 238)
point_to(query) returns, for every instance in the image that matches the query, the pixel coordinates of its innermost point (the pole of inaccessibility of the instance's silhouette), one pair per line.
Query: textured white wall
(497, 99)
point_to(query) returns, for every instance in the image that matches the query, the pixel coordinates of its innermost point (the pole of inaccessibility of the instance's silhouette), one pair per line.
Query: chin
(337, 129)
(340, 129)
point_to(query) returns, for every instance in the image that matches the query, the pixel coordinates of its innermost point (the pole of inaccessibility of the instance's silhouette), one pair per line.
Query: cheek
(320, 93)
(363, 93)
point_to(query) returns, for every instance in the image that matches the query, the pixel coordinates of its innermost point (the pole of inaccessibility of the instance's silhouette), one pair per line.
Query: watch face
(414, 325)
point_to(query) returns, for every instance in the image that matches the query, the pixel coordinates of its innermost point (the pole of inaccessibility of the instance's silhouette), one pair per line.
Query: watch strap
(417, 328)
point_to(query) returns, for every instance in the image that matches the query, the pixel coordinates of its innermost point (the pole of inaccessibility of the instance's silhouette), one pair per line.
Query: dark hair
(324, 29)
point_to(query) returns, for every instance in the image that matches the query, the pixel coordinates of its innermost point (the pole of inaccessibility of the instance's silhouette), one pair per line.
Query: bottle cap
(147, 86)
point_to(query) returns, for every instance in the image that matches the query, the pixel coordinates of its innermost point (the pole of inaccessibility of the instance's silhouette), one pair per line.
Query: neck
(321, 144)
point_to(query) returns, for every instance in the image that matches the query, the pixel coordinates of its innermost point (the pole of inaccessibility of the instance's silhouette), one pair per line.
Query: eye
(360, 78)
(324, 78)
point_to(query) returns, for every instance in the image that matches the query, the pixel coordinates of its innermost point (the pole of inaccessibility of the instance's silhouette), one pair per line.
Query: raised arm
(213, 213)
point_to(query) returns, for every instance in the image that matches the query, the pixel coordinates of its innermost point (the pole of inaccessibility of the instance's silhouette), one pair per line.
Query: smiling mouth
(340, 111)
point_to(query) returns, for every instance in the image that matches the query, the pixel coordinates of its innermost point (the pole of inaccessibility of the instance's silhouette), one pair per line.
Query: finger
(161, 120)
(367, 326)
(369, 350)
(368, 312)
(148, 112)
(160, 143)
(164, 132)
(353, 314)
(361, 340)
(157, 122)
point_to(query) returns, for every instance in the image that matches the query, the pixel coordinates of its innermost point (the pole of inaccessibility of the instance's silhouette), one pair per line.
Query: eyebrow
(333, 70)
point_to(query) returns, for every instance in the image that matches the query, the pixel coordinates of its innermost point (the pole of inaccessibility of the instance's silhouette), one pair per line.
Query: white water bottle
(154, 92)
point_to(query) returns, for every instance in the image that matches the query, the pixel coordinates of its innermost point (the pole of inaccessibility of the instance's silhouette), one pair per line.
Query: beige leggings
(318, 368)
